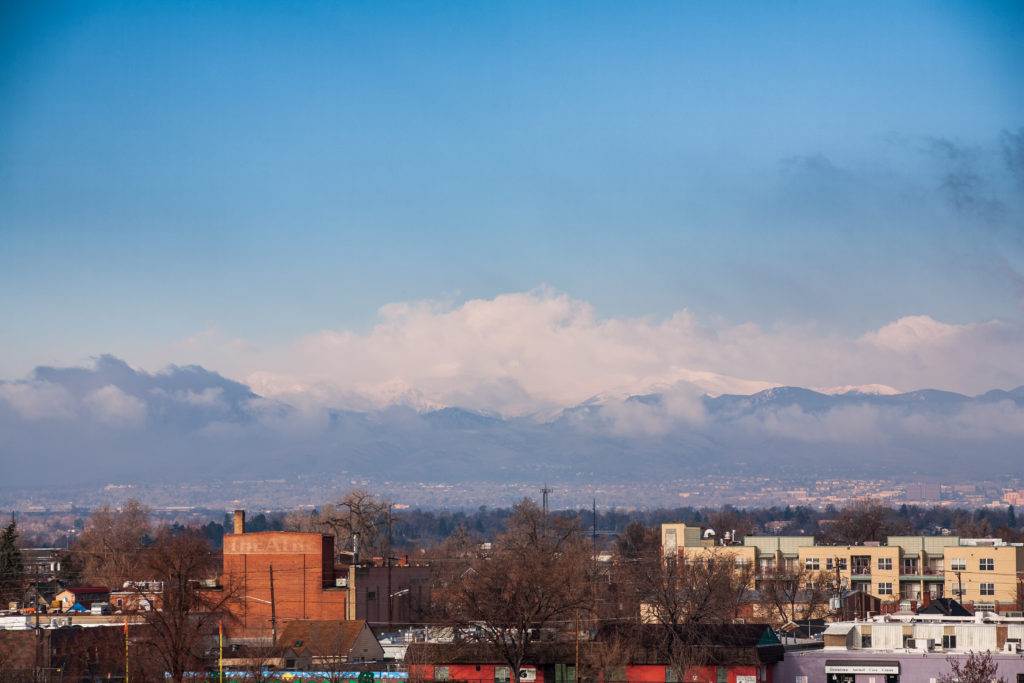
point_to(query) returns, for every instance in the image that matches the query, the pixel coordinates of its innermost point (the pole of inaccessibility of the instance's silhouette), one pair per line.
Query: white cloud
(536, 352)
(39, 400)
(112, 406)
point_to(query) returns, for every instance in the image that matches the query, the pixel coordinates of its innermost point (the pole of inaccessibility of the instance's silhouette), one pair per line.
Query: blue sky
(267, 173)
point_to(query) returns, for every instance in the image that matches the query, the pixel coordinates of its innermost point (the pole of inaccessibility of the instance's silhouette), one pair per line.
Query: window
(988, 589)
(839, 562)
(615, 674)
(811, 563)
(670, 675)
(885, 588)
(948, 642)
(987, 564)
(958, 564)
(865, 640)
(502, 674)
(884, 564)
(441, 673)
(908, 641)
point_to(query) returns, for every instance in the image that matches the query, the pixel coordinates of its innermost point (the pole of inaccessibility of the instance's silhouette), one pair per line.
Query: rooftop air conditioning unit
(1011, 647)
(341, 582)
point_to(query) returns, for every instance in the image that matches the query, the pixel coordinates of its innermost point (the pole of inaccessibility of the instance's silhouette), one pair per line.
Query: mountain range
(114, 423)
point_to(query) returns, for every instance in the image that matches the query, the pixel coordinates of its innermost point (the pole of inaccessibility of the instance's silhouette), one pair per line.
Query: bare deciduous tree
(793, 593)
(358, 513)
(112, 544)
(689, 595)
(862, 521)
(532, 581)
(979, 667)
(179, 636)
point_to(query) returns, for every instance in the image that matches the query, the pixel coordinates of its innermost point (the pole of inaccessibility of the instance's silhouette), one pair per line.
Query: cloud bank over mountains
(529, 385)
(538, 352)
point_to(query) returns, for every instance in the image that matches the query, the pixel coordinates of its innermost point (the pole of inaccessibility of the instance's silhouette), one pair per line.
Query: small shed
(309, 645)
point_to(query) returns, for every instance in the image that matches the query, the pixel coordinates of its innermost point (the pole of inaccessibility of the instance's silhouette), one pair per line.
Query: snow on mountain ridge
(874, 389)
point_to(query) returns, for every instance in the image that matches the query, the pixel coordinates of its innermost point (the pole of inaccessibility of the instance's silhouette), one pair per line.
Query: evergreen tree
(12, 570)
(1011, 518)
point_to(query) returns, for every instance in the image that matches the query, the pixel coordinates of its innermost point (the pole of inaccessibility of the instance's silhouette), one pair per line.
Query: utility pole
(391, 612)
(273, 608)
(839, 589)
(55, 567)
(960, 587)
(576, 662)
(544, 497)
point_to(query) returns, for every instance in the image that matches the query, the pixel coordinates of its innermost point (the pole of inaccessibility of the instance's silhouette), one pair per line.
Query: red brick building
(738, 653)
(306, 582)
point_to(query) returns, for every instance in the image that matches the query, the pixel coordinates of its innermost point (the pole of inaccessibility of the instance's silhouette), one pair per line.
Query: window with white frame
(812, 563)
(885, 588)
(948, 642)
(442, 673)
(958, 564)
(987, 588)
(987, 564)
(884, 564)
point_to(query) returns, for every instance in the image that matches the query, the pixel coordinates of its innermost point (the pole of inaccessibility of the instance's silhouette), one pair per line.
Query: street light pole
(273, 608)
(391, 597)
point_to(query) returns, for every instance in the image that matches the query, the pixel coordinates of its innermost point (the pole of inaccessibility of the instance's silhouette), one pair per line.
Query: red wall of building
(484, 673)
(303, 579)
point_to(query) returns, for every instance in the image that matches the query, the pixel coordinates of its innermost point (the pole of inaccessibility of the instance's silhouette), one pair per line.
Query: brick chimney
(239, 521)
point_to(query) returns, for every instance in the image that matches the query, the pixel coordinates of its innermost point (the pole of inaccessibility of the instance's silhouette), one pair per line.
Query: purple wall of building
(372, 590)
(914, 668)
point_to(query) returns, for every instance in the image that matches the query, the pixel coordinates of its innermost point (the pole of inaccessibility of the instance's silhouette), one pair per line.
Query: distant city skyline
(513, 207)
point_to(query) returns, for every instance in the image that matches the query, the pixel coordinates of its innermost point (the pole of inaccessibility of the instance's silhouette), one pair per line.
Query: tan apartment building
(986, 573)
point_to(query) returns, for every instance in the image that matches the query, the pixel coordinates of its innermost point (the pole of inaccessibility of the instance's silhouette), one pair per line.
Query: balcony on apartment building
(911, 569)
(860, 567)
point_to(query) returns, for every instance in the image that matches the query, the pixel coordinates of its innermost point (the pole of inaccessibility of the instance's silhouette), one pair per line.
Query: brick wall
(303, 579)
